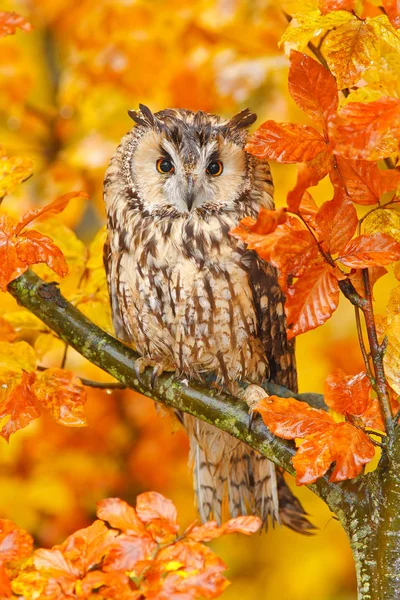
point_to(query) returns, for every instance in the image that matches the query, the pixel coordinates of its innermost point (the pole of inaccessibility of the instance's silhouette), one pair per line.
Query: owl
(190, 297)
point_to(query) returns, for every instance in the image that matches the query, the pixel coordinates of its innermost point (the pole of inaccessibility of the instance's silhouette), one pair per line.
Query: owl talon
(252, 417)
(154, 376)
(138, 371)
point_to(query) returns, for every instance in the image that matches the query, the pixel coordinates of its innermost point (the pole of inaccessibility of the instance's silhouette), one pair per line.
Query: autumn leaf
(323, 441)
(211, 530)
(362, 180)
(305, 26)
(347, 394)
(289, 418)
(346, 446)
(336, 223)
(349, 50)
(159, 514)
(308, 175)
(19, 404)
(368, 131)
(63, 394)
(120, 516)
(313, 88)
(357, 279)
(392, 9)
(32, 248)
(312, 299)
(15, 543)
(286, 142)
(370, 250)
(13, 170)
(384, 220)
(326, 6)
(55, 207)
(10, 21)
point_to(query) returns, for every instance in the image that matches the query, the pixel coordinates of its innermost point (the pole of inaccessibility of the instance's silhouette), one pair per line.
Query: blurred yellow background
(65, 89)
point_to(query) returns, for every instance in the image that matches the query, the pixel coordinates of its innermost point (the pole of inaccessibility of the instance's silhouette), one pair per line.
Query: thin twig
(362, 347)
(103, 385)
(64, 357)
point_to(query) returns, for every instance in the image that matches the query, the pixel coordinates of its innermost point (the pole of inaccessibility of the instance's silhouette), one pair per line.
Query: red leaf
(308, 175)
(120, 516)
(347, 394)
(362, 180)
(336, 223)
(392, 8)
(351, 450)
(15, 543)
(326, 6)
(5, 584)
(33, 247)
(292, 254)
(19, 403)
(367, 130)
(159, 514)
(357, 279)
(346, 445)
(370, 250)
(289, 418)
(286, 142)
(312, 299)
(209, 531)
(9, 21)
(63, 394)
(54, 207)
(308, 209)
(10, 264)
(312, 87)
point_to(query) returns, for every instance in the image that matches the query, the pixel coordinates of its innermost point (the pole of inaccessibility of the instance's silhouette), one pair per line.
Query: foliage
(125, 554)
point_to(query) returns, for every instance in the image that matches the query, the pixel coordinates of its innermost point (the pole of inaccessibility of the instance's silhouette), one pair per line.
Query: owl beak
(190, 195)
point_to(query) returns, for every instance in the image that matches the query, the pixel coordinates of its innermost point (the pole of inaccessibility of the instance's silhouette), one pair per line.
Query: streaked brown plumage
(189, 296)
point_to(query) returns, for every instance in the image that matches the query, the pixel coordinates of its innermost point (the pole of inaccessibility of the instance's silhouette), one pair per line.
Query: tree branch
(218, 408)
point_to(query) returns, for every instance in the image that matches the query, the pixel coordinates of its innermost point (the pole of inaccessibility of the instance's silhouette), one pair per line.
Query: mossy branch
(200, 400)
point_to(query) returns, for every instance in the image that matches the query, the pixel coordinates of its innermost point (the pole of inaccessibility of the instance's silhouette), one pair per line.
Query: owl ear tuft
(242, 120)
(144, 117)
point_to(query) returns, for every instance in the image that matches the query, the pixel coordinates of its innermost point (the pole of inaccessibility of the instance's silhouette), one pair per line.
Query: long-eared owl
(190, 297)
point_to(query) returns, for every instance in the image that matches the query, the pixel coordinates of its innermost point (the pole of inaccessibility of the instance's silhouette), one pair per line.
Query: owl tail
(228, 473)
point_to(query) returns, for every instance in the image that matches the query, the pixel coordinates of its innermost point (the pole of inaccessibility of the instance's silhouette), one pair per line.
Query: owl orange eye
(215, 168)
(164, 166)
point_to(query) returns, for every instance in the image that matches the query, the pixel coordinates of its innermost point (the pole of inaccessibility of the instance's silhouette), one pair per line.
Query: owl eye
(215, 168)
(164, 166)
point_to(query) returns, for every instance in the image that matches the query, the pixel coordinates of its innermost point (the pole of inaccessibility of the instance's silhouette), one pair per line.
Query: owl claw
(138, 371)
(153, 378)
(252, 416)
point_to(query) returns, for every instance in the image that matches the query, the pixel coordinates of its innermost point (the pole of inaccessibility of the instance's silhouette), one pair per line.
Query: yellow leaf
(362, 94)
(383, 221)
(45, 343)
(385, 31)
(349, 50)
(17, 356)
(304, 27)
(70, 245)
(393, 307)
(13, 171)
(99, 312)
(22, 320)
(383, 75)
(296, 7)
(95, 260)
(391, 359)
(62, 392)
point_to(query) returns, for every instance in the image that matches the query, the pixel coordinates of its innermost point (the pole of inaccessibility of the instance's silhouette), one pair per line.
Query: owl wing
(111, 266)
(269, 301)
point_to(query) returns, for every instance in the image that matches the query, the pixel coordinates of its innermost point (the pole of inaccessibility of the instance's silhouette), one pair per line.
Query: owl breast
(191, 313)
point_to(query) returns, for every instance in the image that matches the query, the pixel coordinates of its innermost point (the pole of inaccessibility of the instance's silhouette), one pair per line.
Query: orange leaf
(268, 220)
(362, 180)
(120, 516)
(9, 21)
(345, 445)
(159, 514)
(54, 207)
(128, 550)
(10, 264)
(336, 223)
(63, 394)
(18, 402)
(312, 87)
(289, 418)
(347, 394)
(312, 299)
(369, 131)
(392, 8)
(326, 6)
(15, 543)
(357, 279)
(292, 254)
(308, 175)
(286, 142)
(5, 584)
(370, 250)
(7, 332)
(33, 247)
(86, 547)
(209, 531)
(308, 209)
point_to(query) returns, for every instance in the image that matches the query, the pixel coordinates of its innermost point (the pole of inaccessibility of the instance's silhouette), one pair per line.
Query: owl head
(176, 162)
